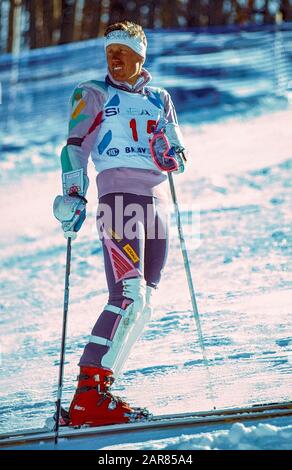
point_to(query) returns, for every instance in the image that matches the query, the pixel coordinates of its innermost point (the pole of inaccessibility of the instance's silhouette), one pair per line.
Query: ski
(180, 420)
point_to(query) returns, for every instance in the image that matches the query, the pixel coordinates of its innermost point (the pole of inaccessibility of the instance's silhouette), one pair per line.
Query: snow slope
(238, 189)
(275, 435)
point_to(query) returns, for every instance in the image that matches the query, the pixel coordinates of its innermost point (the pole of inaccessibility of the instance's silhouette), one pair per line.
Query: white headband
(123, 37)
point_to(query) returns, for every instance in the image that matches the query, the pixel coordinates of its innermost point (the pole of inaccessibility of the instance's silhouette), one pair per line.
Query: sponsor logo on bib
(113, 152)
(135, 150)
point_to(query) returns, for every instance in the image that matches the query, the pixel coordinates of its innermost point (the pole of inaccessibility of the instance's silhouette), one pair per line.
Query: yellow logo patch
(131, 253)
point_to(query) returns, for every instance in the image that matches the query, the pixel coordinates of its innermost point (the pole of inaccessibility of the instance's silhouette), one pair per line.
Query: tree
(13, 24)
(48, 23)
(117, 11)
(152, 6)
(67, 24)
(216, 12)
(169, 13)
(96, 18)
(193, 12)
(91, 19)
(286, 9)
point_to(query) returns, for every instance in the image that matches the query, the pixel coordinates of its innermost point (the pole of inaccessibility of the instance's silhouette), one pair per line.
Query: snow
(238, 187)
(274, 434)
(260, 436)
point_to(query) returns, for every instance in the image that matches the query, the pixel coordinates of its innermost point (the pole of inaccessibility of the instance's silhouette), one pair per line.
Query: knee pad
(142, 317)
(135, 289)
(131, 324)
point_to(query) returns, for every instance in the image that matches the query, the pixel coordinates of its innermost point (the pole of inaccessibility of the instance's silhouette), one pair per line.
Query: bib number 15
(133, 126)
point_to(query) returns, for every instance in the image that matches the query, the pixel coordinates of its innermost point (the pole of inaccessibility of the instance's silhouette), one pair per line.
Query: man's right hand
(71, 212)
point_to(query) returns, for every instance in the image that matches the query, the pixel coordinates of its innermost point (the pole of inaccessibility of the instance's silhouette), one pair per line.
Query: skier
(117, 121)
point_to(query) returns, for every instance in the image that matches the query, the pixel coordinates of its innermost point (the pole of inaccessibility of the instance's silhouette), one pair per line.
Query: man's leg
(111, 337)
(156, 242)
(155, 254)
(124, 259)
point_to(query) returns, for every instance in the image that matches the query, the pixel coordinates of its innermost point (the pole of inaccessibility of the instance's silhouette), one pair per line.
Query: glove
(177, 148)
(167, 150)
(71, 212)
(70, 209)
(179, 154)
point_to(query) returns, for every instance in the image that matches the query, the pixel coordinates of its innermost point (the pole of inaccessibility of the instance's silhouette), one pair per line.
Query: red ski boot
(94, 405)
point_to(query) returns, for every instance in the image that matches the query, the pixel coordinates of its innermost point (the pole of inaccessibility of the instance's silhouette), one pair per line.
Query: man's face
(124, 64)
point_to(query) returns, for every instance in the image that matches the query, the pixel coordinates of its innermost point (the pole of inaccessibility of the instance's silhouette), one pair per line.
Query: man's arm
(173, 132)
(85, 118)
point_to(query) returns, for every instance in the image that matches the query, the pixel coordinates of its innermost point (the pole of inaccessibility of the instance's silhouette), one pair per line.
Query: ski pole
(64, 329)
(189, 279)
